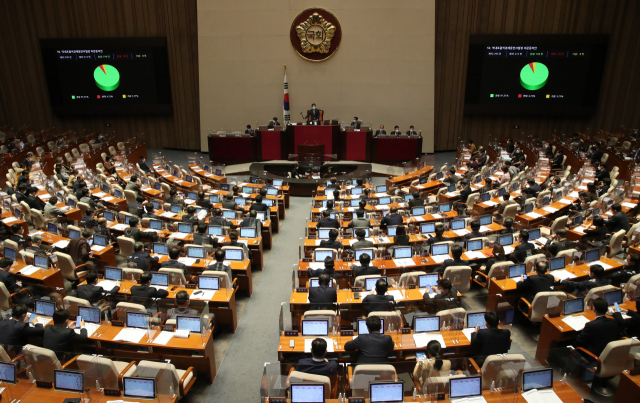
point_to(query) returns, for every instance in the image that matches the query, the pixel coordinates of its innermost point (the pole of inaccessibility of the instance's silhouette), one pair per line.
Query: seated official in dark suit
(456, 252)
(411, 131)
(217, 219)
(313, 116)
(596, 279)
(142, 164)
(136, 233)
(173, 263)
(598, 229)
(355, 124)
(273, 123)
(466, 190)
(365, 269)
(15, 331)
(373, 348)
(631, 325)
(541, 282)
(136, 208)
(92, 292)
(396, 131)
(490, 340)
(330, 208)
(361, 243)
(599, 332)
(201, 237)
(252, 221)
(202, 202)
(60, 337)
(248, 130)
(381, 131)
(317, 364)
(322, 296)
(524, 249)
(332, 242)
(631, 268)
(379, 301)
(327, 222)
(417, 201)
(173, 198)
(190, 215)
(219, 264)
(453, 178)
(143, 293)
(328, 269)
(532, 190)
(618, 220)
(446, 296)
(259, 205)
(439, 231)
(142, 258)
(359, 221)
(401, 238)
(475, 230)
(228, 202)
(560, 242)
(391, 219)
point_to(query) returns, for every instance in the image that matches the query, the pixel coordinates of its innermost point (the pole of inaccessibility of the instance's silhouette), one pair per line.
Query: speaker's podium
(312, 156)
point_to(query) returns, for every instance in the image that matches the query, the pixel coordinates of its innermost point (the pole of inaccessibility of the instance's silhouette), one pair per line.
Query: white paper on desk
(397, 295)
(440, 258)
(533, 215)
(130, 335)
(563, 274)
(484, 228)
(419, 218)
(109, 198)
(542, 240)
(565, 201)
(352, 209)
(436, 216)
(461, 232)
(579, 229)
(205, 295)
(452, 194)
(430, 291)
(467, 332)
(550, 209)
(583, 188)
(490, 203)
(382, 239)
(43, 320)
(422, 339)
(419, 187)
(630, 205)
(100, 195)
(603, 264)
(163, 338)
(89, 327)
(28, 270)
(382, 207)
(316, 265)
(404, 262)
(307, 344)
(36, 233)
(179, 235)
(508, 249)
(188, 261)
(354, 196)
(61, 244)
(9, 220)
(576, 322)
(574, 194)
(97, 248)
(167, 214)
(475, 255)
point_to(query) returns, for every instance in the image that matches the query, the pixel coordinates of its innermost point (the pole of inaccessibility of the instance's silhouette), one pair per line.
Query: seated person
(490, 340)
(391, 219)
(15, 331)
(11, 284)
(365, 269)
(456, 252)
(631, 268)
(143, 165)
(373, 348)
(540, 282)
(173, 198)
(506, 201)
(219, 264)
(202, 202)
(328, 269)
(508, 226)
(599, 332)
(142, 258)
(148, 212)
(453, 178)
(92, 292)
(323, 294)
(359, 221)
(619, 220)
(332, 242)
(327, 222)
(51, 210)
(401, 238)
(560, 242)
(417, 201)
(190, 215)
(361, 242)
(598, 229)
(61, 337)
(182, 306)
(259, 205)
(379, 301)
(233, 241)
(631, 325)
(330, 209)
(201, 237)
(439, 229)
(173, 263)
(596, 279)
(143, 293)
(136, 233)
(475, 230)
(133, 185)
(381, 131)
(396, 131)
(524, 249)
(252, 221)
(446, 295)
(432, 365)
(88, 221)
(532, 190)
(217, 219)
(135, 207)
(317, 364)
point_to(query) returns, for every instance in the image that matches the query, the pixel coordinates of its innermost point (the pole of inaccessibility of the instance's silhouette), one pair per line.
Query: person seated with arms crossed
(365, 268)
(597, 229)
(540, 282)
(379, 301)
(219, 264)
(596, 279)
(618, 220)
(560, 242)
(174, 199)
(318, 364)
(329, 269)
(361, 242)
(359, 221)
(15, 331)
(332, 242)
(92, 292)
(417, 201)
(524, 249)
(323, 296)
(557, 161)
(599, 332)
(61, 337)
(202, 202)
(373, 348)
(327, 222)
(313, 115)
(136, 207)
(602, 172)
(490, 340)
(173, 263)
(630, 325)
(456, 252)
(631, 268)
(446, 295)
(141, 257)
(259, 205)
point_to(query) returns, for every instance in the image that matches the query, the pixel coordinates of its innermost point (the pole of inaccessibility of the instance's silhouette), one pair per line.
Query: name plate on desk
(307, 260)
(279, 400)
(346, 333)
(412, 286)
(311, 237)
(117, 323)
(167, 328)
(190, 286)
(291, 333)
(356, 400)
(347, 259)
(111, 392)
(44, 384)
(406, 330)
(388, 257)
(356, 289)
(301, 289)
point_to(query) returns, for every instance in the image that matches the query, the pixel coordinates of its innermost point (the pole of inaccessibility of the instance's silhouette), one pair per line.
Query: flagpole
(285, 109)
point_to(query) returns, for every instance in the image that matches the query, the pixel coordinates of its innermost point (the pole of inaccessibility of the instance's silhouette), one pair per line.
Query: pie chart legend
(107, 77)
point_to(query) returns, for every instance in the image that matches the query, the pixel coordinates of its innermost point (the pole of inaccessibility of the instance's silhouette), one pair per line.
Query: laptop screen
(556, 263)
(356, 191)
(112, 273)
(89, 314)
(402, 253)
(362, 326)
(505, 240)
(160, 248)
(7, 372)
(314, 282)
(457, 224)
(225, 186)
(247, 232)
(155, 224)
(360, 252)
(70, 381)
(528, 208)
(41, 262)
(190, 323)
(45, 308)
(277, 182)
(307, 393)
(451, 188)
(100, 240)
(261, 215)
(268, 202)
(534, 234)
(508, 316)
(462, 387)
(127, 218)
(440, 249)
(517, 270)
(138, 320)
(592, 255)
(184, 228)
(474, 245)
(572, 306)
(386, 392)
(233, 254)
(52, 228)
(192, 195)
(240, 201)
(444, 208)
(476, 319)
(229, 214)
(486, 196)
(71, 202)
(10, 253)
(323, 233)
(320, 255)
(486, 219)
(408, 197)
(176, 208)
(195, 252)
(381, 188)
(117, 194)
(422, 324)
(370, 283)
(428, 280)
(272, 192)
(215, 230)
(139, 387)
(391, 231)
(613, 297)
(214, 198)
(540, 379)
(384, 200)
(247, 189)
(161, 279)
(208, 283)
(500, 192)
(427, 228)
(315, 327)
(415, 211)
(108, 215)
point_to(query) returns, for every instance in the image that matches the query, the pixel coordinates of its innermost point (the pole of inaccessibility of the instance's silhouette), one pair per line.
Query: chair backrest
(460, 277)
(121, 146)
(530, 261)
(596, 292)
(302, 377)
(618, 356)
(5, 304)
(361, 280)
(450, 316)
(559, 223)
(161, 371)
(510, 211)
(328, 314)
(42, 362)
(410, 278)
(83, 208)
(131, 273)
(74, 301)
(364, 374)
(130, 306)
(471, 200)
(103, 369)
(605, 157)
(130, 196)
(631, 284)
(126, 245)
(567, 252)
(26, 210)
(38, 219)
(67, 266)
(503, 369)
(499, 269)
(543, 304)
(112, 151)
(3, 355)
(175, 275)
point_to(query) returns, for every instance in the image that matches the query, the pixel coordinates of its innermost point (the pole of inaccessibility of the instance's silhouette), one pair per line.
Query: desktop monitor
(71, 202)
(89, 314)
(465, 387)
(184, 228)
(234, 254)
(195, 252)
(117, 194)
(356, 191)
(486, 219)
(457, 224)
(391, 231)
(315, 327)
(155, 224)
(160, 248)
(515, 186)
(360, 252)
(402, 252)
(268, 202)
(428, 280)
(188, 178)
(423, 179)
(556, 263)
(440, 249)
(138, 320)
(381, 189)
(370, 283)
(408, 197)
(100, 240)
(229, 214)
(386, 392)
(105, 188)
(157, 186)
(41, 261)
(517, 270)
(572, 306)
(68, 381)
(261, 215)
(127, 218)
(176, 208)
(321, 255)
(424, 324)
(451, 188)
(190, 323)
(592, 255)
(508, 316)
(45, 308)
(546, 201)
(208, 283)
(528, 208)
(254, 179)
(307, 392)
(225, 187)
(486, 196)
(215, 230)
(323, 233)
(9, 253)
(160, 279)
(247, 232)
(247, 189)
(113, 273)
(109, 215)
(534, 234)
(354, 203)
(176, 173)
(444, 208)
(8, 372)
(439, 176)
(315, 282)
(52, 228)
(277, 182)
(474, 244)
(501, 192)
(614, 296)
(192, 195)
(417, 211)
(272, 192)
(475, 319)
(384, 200)
(537, 379)
(578, 220)
(505, 240)
(214, 198)
(427, 228)
(135, 388)
(362, 326)
(478, 178)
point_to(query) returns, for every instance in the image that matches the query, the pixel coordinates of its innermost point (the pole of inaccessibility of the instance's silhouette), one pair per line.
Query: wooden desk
(112, 202)
(403, 180)
(207, 176)
(628, 388)
(172, 180)
(50, 280)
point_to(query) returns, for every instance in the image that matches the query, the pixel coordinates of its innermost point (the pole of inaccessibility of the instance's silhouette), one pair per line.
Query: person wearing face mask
(446, 296)
(411, 131)
(381, 131)
(313, 115)
(396, 131)
(274, 122)
(355, 124)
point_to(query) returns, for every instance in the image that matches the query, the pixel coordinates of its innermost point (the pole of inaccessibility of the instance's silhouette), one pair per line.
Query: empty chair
(75, 153)
(302, 377)
(126, 245)
(130, 196)
(558, 223)
(460, 277)
(499, 269)
(615, 245)
(109, 373)
(175, 275)
(453, 318)
(69, 269)
(322, 314)
(70, 301)
(505, 370)
(121, 146)
(42, 362)
(618, 356)
(542, 304)
(112, 151)
(130, 307)
(181, 380)
(597, 292)
(365, 374)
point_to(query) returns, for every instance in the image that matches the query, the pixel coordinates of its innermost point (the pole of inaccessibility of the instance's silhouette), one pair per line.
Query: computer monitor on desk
(160, 279)
(138, 320)
(386, 392)
(537, 379)
(112, 273)
(426, 324)
(52, 228)
(247, 232)
(315, 327)
(307, 393)
(613, 297)
(457, 224)
(476, 319)
(208, 283)
(89, 314)
(370, 283)
(139, 388)
(190, 323)
(324, 233)
(474, 244)
(444, 208)
(465, 387)
(155, 224)
(362, 326)
(360, 252)
(99, 240)
(427, 228)
(428, 280)
(41, 261)
(440, 249)
(109, 215)
(572, 306)
(229, 214)
(68, 381)
(556, 263)
(8, 372)
(215, 230)
(517, 270)
(9, 253)
(195, 252)
(45, 308)
(402, 252)
(234, 255)
(417, 211)
(505, 240)
(592, 255)
(315, 282)
(160, 248)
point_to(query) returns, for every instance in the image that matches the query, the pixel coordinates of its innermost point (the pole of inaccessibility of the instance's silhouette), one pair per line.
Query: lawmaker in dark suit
(322, 296)
(15, 332)
(361, 243)
(228, 202)
(173, 263)
(202, 202)
(456, 252)
(599, 332)
(274, 122)
(597, 230)
(416, 201)
(379, 301)
(143, 165)
(373, 348)
(327, 222)
(524, 249)
(631, 326)
(602, 173)
(411, 131)
(396, 131)
(136, 207)
(560, 242)
(490, 340)
(259, 205)
(318, 365)
(313, 115)
(190, 215)
(365, 269)
(61, 337)
(332, 242)
(219, 264)
(381, 131)
(142, 294)
(465, 192)
(618, 220)
(355, 124)
(391, 219)
(541, 282)
(446, 295)
(92, 292)
(142, 258)
(557, 161)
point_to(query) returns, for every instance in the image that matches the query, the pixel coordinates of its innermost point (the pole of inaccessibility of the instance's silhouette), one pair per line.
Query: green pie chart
(534, 76)
(107, 77)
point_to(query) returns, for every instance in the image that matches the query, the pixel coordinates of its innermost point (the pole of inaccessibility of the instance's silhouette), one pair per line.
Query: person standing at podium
(396, 131)
(313, 114)
(381, 131)
(355, 124)
(411, 132)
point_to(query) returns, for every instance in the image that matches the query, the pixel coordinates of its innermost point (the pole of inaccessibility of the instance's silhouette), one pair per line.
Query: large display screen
(534, 74)
(107, 76)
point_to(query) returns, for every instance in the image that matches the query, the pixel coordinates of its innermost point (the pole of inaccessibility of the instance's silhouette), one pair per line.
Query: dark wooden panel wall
(23, 93)
(457, 19)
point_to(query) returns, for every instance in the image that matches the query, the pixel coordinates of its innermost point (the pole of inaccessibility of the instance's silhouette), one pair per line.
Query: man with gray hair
(36, 246)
